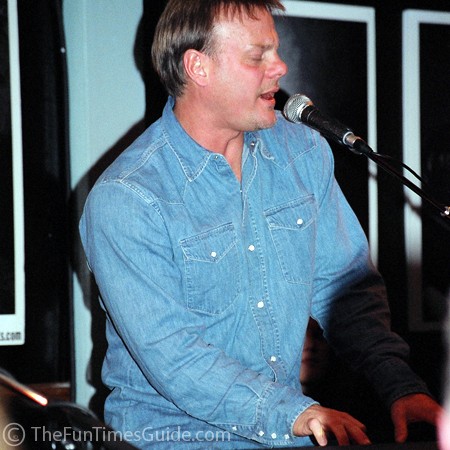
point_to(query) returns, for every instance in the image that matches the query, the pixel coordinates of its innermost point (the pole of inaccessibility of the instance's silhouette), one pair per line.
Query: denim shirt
(208, 284)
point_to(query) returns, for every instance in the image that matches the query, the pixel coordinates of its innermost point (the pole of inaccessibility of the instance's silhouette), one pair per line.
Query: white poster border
(411, 21)
(12, 326)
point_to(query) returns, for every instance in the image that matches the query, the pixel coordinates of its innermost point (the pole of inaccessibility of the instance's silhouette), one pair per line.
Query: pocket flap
(295, 215)
(210, 246)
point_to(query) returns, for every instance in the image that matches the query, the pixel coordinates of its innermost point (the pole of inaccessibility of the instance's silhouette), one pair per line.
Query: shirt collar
(192, 156)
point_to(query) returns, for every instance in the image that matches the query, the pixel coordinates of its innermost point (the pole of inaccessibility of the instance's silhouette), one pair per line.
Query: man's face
(245, 71)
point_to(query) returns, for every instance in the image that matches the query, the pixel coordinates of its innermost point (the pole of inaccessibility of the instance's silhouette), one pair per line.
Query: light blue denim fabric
(208, 285)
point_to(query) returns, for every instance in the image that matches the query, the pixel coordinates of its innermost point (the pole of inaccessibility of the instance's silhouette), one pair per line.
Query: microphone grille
(294, 107)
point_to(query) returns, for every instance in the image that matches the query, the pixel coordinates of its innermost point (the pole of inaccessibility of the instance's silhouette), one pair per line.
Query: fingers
(350, 431)
(412, 408)
(318, 421)
(358, 435)
(400, 426)
(317, 430)
(398, 415)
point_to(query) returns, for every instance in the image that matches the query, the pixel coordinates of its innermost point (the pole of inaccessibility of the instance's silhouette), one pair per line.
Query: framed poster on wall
(12, 284)
(426, 149)
(330, 53)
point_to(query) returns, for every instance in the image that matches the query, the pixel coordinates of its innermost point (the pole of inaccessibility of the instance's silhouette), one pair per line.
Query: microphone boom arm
(299, 108)
(358, 145)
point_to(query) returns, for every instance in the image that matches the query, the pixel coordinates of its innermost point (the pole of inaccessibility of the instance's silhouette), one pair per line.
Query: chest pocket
(292, 227)
(212, 269)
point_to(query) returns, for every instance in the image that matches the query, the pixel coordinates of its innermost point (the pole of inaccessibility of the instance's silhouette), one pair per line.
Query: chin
(268, 122)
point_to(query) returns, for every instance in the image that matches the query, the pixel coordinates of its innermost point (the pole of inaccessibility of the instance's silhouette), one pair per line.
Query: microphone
(299, 108)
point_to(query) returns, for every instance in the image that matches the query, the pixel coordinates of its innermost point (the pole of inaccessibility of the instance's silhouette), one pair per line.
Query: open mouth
(268, 96)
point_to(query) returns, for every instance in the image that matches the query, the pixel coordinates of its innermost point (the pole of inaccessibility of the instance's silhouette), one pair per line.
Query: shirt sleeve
(350, 301)
(131, 255)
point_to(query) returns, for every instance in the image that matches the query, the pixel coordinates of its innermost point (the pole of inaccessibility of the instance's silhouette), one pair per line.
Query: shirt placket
(260, 301)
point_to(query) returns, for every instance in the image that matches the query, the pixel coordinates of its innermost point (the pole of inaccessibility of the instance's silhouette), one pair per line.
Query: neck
(202, 129)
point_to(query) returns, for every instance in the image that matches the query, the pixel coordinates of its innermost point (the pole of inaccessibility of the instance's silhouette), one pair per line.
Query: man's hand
(319, 421)
(413, 408)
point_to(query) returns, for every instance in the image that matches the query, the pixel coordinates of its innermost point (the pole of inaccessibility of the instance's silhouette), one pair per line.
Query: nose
(279, 68)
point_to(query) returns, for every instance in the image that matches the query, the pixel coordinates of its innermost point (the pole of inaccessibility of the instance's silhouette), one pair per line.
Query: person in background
(214, 237)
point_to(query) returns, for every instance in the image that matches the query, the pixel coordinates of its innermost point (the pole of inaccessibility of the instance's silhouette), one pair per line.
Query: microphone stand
(359, 146)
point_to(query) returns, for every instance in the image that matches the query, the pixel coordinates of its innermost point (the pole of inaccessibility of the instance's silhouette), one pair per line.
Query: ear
(196, 66)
